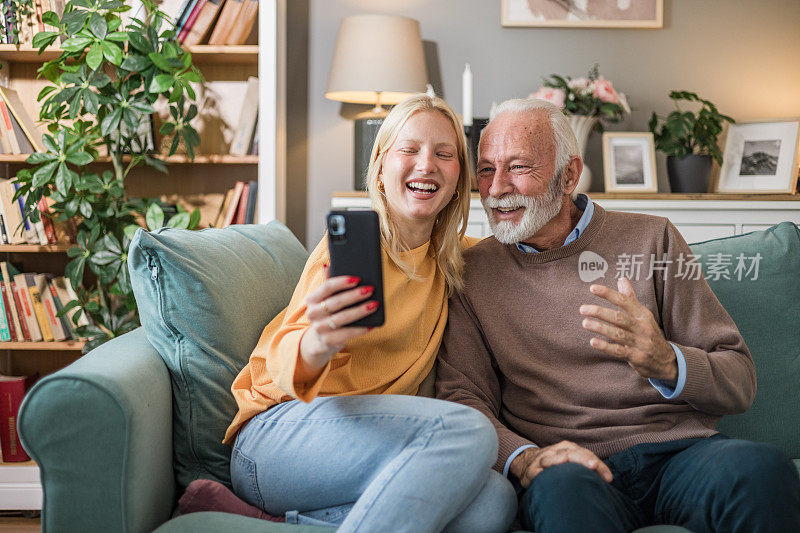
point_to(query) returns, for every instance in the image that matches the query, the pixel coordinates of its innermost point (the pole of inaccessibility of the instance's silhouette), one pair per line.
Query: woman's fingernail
(324, 265)
(371, 306)
(353, 279)
(367, 290)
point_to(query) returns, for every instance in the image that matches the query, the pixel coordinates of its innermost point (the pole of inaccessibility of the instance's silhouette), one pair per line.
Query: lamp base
(365, 132)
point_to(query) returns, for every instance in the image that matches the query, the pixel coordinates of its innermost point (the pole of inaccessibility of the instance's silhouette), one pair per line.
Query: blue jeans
(374, 463)
(711, 484)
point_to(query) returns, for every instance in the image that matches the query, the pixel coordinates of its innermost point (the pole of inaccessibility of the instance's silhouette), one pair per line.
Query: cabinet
(698, 217)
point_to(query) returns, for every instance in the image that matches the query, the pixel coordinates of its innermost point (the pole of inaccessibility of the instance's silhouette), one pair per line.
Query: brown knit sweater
(515, 350)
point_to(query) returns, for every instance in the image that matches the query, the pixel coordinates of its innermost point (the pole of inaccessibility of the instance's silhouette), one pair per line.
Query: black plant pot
(690, 173)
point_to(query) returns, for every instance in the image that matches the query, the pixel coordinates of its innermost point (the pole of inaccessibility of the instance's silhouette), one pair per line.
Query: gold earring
(457, 196)
(381, 187)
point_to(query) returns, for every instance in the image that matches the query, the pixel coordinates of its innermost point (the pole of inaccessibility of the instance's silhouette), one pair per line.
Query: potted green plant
(102, 90)
(690, 142)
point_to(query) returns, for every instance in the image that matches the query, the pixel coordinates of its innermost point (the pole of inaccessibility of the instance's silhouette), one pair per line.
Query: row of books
(29, 307)
(239, 205)
(28, 21)
(16, 228)
(12, 391)
(216, 22)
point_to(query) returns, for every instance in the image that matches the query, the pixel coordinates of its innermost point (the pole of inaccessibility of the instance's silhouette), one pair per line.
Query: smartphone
(354, 245)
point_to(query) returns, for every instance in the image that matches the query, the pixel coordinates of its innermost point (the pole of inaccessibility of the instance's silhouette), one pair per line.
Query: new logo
(591, 266)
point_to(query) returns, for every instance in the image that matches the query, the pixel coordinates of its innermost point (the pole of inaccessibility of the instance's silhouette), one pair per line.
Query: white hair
(566, 143)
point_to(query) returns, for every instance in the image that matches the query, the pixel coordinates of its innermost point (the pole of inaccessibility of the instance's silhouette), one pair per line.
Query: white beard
(539, 210)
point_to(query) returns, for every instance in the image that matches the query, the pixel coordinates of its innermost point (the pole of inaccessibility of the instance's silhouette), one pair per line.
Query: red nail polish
(371, 306)
(353, 279)
(367, 290)
(324, 265)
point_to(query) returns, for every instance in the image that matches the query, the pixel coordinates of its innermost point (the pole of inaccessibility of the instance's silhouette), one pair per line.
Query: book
(202, 25)
(12, 391)
(8, 130)
(38, 16)
(252, 195)
(50, 309)
(38, 307)
(16, 309)
(8, 304)
(225, 22)
(11, 213)
(47, 222)
(21, 289)
(231, 213)
(5, 331)
(66, 323)
(242, 207)
(3, 234)
(191, 20)
(67, 294)
(185, 13)
(244, 22)
(30, 130)
(66, 230)
(247, 119)
(223, 210)
(29, 229)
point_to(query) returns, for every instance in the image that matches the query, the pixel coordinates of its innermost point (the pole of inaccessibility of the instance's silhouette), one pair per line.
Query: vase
(582, 126)
(689, 174)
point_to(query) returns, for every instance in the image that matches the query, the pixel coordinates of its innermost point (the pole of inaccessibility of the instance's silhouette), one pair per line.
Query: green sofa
(121, 431)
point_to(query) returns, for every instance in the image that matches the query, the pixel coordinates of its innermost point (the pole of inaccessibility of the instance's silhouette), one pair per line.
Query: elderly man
(603, 367)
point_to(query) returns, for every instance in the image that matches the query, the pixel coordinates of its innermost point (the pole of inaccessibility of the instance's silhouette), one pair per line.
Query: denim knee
(755, 464)
(559, 484)
(473, 434)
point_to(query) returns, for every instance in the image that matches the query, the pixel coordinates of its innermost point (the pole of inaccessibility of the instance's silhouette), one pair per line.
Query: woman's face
(420, 170)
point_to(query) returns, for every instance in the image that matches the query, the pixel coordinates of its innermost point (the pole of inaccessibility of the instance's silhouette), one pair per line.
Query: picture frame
(647, 14)
(760, 156)
(629, 162)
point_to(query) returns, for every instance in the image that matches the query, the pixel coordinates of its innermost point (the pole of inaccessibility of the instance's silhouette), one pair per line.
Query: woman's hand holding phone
(329, 310)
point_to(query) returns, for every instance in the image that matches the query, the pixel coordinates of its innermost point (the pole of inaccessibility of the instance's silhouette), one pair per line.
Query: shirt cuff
(514, 456)
(664, 388)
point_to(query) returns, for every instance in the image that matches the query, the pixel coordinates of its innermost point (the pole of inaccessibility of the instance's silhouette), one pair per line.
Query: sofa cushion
(204, 298)
(766, 308)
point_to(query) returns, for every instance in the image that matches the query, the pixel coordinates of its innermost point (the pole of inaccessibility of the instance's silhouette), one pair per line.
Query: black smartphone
(354, 245)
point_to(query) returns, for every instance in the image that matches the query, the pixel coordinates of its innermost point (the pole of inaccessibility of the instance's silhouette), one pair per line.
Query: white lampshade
(377, 55)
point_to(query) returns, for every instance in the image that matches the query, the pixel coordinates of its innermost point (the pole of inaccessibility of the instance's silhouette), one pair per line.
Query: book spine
(11, 392)
(225, 21)
(3, 233)
(47, 223)
(23, 324)
(27, 307)
(9, 129)
(39, 13)
(243, 25)
(66, 324)
(38, 309)
(13, 331)
(5, 331)
(190, 21)
(49, 308)
(242, 209)
(29, 231)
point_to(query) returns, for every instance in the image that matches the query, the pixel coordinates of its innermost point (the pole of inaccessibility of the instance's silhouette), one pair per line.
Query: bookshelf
(212, 172)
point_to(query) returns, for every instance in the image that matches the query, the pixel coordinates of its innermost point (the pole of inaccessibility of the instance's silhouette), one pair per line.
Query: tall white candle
(466, 96)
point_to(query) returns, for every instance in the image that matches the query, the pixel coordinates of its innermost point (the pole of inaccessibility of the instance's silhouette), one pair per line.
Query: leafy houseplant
(690, 141)
(103, 87)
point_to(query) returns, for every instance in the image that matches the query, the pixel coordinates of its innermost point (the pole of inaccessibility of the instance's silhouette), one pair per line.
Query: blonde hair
(451, 223)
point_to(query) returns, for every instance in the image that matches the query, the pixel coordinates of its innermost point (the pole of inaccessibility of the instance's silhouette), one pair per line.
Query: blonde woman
(329, 430)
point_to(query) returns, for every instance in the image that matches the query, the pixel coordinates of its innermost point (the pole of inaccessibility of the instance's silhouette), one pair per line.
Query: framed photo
(629, 160)
(760, 157)
(583, 14)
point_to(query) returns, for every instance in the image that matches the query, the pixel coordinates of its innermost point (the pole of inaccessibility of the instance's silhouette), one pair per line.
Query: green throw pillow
(204, 297)
(766, 307)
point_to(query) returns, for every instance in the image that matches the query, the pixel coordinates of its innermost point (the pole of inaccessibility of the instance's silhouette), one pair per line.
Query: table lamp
(378, 60)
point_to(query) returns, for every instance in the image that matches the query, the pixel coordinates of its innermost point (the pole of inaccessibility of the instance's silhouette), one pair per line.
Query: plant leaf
(161, 83)
(154, 217)
(95, 56)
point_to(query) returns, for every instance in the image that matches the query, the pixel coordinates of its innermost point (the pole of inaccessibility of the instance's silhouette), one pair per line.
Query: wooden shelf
(29, 463)
(229, 54)
(36, 248)
(212, 159)
(63, 346)
(640, 196)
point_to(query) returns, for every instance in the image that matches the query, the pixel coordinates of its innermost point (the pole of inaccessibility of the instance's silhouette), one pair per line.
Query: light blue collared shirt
(584, 203)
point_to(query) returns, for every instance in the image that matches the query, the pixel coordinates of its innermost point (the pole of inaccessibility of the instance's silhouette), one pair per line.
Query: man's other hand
(532, 461)
(635, 335)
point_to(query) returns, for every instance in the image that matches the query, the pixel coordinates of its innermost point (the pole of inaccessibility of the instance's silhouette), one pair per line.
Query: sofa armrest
(101, 433)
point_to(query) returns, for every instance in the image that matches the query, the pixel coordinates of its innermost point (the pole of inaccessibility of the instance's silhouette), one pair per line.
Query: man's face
(516, 166)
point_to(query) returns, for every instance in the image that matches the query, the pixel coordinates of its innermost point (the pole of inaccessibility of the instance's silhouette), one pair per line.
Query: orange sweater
(392, 359)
